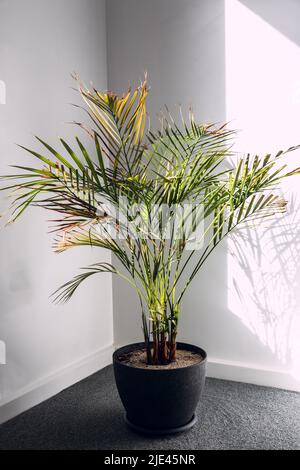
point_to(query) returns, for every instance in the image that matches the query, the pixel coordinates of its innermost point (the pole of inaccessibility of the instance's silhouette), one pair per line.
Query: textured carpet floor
(89, 415)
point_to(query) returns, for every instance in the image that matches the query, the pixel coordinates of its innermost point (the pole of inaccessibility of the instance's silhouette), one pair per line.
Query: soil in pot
(184, 358)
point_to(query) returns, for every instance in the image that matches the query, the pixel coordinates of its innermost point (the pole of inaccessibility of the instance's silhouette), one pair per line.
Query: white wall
(41, 43)
(196, 52)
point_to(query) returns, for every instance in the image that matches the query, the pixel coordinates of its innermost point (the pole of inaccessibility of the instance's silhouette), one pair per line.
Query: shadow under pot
(160, 400)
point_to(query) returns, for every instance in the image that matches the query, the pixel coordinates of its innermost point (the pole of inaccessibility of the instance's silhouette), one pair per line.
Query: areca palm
(143, 194)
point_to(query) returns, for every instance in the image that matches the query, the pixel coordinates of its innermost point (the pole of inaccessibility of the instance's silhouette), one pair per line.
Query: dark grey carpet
(89, 415)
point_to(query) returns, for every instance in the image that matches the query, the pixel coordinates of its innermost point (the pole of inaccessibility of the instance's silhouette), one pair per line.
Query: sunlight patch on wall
(263, 100)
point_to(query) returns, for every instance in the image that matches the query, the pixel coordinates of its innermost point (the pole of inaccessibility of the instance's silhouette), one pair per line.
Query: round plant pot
(161, 400)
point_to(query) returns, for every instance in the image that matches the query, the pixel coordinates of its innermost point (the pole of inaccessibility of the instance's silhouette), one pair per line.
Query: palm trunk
(148, 352)
(155, 358)
(147, 341)
(164, 356)
(173, 348)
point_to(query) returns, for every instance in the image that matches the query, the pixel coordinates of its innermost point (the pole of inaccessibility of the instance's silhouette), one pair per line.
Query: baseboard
(46, 387)
(239, 372)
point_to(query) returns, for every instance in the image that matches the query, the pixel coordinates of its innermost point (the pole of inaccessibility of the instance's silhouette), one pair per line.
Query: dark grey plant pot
(159, 401)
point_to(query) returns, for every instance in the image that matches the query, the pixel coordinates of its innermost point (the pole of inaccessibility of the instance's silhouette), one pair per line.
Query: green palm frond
(119, 122)
(65, 292)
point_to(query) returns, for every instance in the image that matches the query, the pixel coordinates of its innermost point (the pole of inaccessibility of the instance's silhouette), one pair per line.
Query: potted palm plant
(161, 201)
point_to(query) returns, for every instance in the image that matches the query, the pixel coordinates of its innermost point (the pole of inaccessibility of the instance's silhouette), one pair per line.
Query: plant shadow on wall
(263, 272)
(264, 275)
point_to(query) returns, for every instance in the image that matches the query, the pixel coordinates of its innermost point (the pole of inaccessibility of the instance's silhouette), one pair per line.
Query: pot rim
(133, 346)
